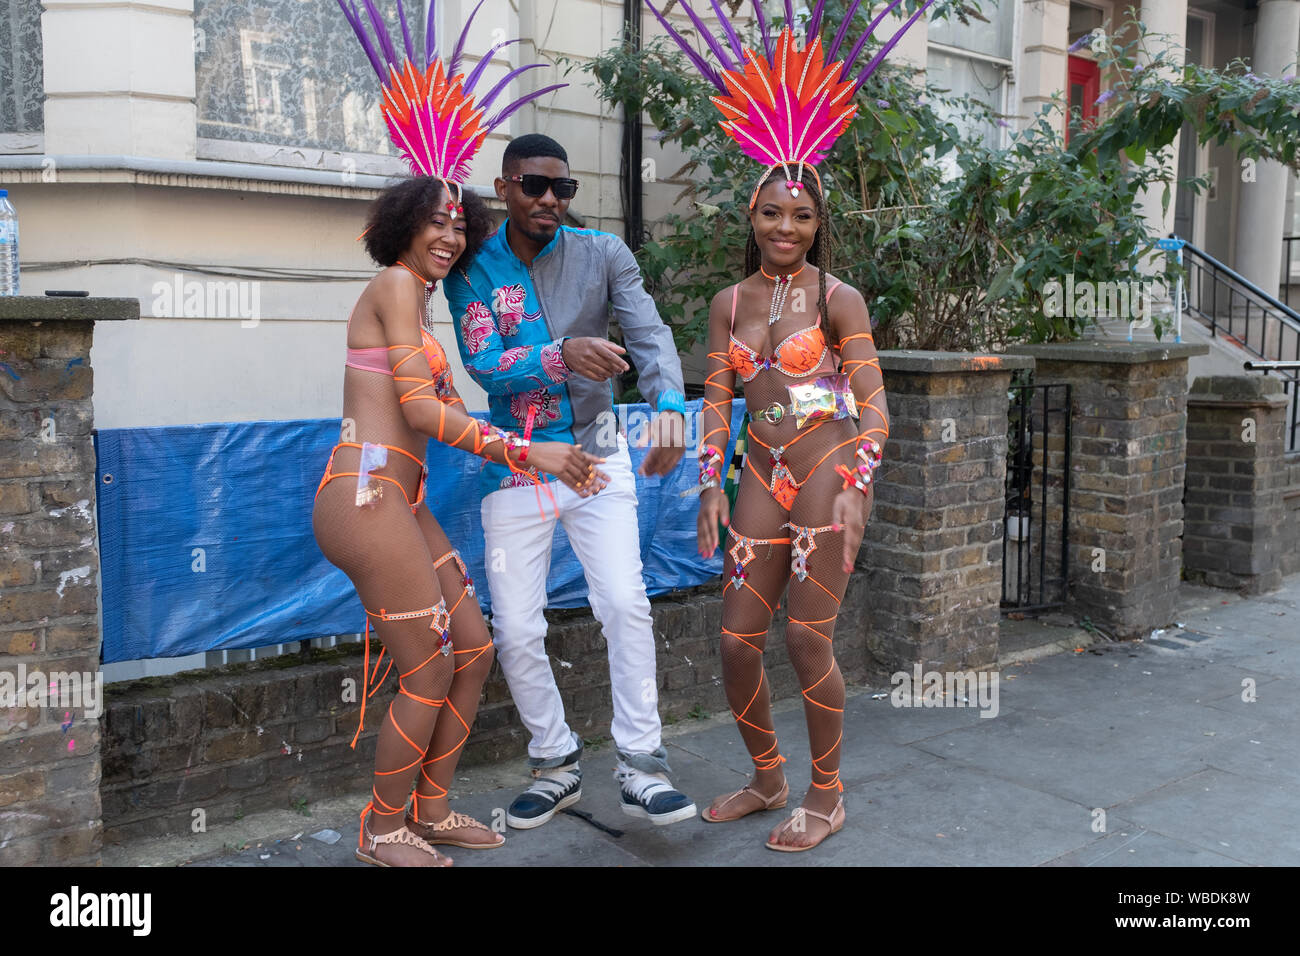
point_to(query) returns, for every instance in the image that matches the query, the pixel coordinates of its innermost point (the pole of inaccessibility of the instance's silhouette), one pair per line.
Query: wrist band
(528, 433)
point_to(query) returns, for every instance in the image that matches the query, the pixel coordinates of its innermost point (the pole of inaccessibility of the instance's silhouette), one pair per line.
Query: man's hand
(593, 358)
(667, 443)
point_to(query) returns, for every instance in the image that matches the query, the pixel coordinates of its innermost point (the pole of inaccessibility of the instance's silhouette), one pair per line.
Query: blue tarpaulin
(206, 541)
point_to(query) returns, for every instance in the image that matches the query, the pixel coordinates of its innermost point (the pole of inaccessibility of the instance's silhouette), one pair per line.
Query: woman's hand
(713, 511)
(849, 513)
(573, 466)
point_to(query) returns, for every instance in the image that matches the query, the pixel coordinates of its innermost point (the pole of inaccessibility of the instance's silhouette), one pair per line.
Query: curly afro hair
(400, 211)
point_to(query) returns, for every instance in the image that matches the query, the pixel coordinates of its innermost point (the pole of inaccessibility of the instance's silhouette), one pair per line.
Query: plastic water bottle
(8, 246)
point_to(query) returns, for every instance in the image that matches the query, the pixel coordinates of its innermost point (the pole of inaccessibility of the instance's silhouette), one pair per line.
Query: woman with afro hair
(368, 519)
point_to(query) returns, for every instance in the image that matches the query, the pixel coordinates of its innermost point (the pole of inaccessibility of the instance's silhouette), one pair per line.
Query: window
(974, 60)
(22, 91)
(289, 73)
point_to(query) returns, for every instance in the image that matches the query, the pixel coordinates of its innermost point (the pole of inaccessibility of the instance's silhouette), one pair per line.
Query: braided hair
(820, 252)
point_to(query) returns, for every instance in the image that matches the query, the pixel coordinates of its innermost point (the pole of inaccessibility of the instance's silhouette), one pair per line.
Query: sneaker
(553, 789)
(651, 796)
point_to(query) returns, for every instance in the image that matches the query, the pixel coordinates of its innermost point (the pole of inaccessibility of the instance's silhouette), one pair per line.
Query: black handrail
(1201, 266)
(1241, 280)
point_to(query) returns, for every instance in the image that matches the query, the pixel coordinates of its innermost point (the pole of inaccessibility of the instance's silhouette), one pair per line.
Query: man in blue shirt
(532, 323)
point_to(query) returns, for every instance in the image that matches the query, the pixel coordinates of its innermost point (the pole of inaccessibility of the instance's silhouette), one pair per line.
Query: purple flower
(1080, 43)
(1252, 77)
(883, 104)
(1289, 78)
(1108, 95)
(1139, 68)
(1003, 123)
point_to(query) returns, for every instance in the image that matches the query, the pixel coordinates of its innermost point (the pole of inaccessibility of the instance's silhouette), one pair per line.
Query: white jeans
(602, 530)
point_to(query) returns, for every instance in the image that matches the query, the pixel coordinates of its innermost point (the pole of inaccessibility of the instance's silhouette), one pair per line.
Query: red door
(1084, 87)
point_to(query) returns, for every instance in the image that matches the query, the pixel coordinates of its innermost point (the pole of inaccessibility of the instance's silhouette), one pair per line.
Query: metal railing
(1289, 388)
(1233, 306)
(1038, 484)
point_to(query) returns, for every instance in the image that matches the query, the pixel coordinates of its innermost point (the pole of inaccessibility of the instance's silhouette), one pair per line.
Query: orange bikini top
(799, 354)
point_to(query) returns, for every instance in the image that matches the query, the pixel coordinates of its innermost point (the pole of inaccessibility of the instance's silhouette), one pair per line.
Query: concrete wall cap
(1236, 386)
(1111, 353)
(57, 308)
(909, 360)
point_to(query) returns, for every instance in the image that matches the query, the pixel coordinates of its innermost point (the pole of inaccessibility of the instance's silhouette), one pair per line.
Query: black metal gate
(1036, 531)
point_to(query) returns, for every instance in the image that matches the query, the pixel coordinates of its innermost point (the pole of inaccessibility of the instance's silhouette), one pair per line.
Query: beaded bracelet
(867, 462)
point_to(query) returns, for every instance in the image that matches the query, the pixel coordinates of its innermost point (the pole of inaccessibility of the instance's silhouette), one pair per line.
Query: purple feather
(762, 31)
(718, 50)
(866, 35)
(506, 113)
(406, 34)
(704, 69)
(789, 15)
(731, 32)
(875, 60)
(849, 14)
(815, 24)
(430, 35)
(454, 62)
(483, 64)
(493, 93)
(381, 33)
(354, 19)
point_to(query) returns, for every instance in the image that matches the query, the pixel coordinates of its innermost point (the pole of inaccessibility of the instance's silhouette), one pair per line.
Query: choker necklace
(779, 292)
(425, 322)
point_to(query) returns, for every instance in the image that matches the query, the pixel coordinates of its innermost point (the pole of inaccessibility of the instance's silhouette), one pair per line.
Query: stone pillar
(119, 78)
(50, 682)
(932, 553)
(1127, 451)
(1262, 204)
(1044, 54)
(1236, 469)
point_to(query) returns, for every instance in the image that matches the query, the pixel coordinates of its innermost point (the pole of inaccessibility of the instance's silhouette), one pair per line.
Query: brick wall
(1236, 471)
(255, 737)
(1290, 556)
(932, 551)
(49, 591)
(1127, 461)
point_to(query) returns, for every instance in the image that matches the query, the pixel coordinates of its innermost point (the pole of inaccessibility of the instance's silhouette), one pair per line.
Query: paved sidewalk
(1157, 734)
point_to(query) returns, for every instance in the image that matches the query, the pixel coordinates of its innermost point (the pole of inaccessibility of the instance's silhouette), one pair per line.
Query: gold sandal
(402, 836)
(798, 823)
(769, 803)
(432, 832)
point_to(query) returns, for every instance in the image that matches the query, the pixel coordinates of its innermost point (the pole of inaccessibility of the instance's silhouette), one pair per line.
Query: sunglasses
(535, 186)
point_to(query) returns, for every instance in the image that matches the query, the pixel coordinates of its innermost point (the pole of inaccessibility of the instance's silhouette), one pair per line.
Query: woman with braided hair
(797, 524)
(397, 394)
(799, 342)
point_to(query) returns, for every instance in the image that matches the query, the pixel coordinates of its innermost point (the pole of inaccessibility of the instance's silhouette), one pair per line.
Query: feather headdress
(430, 110)
(783, 105)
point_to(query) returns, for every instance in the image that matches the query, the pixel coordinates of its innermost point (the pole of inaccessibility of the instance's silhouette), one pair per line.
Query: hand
(667, 443)
(573, 466)
(849, 512)
(713, 511)
(593, 358)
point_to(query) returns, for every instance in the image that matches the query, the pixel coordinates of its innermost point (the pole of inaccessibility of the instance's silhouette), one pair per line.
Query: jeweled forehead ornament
(431, 113)
(785, 106)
